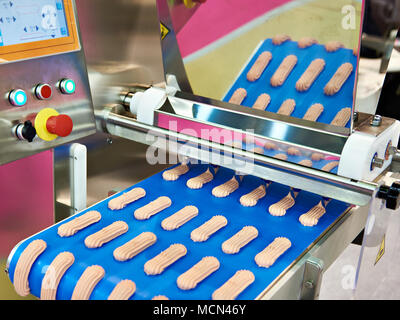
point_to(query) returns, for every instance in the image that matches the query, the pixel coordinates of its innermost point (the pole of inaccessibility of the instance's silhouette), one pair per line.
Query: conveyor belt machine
(206, 59)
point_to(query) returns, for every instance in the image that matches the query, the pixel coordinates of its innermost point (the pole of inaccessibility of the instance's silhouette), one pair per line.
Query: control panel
(45, 96)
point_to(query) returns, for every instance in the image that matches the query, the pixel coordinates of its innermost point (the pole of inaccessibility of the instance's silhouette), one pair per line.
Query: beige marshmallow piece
(338, 79)
(123, 290)
(310, 75)
(258, 150)
(314, 112)
(312, 217)
(238, 96)
(333, 46)
(196, 274)
(208, 228)
(287, 107)
(293, 151)
(24, 265)
(179, 218)
(199, 181)
(73, 226)
(234, 144)
(279, 209)
(317, 156)
(160, 297)
(231, 289)
(105, 235)
(123, 200)
(306, 163)
(174, 173)
(135, 246)
(279, 39)
(306, 42)
(251, 199)
(53, 275)
(342, 117)
(259, 66)
(159, 263)
(234, 244)
(281, 156)
(262, 102)
(226, 188)
(272, 252)
(152, 208)
(330, 166)
(249, 139)
(87, 282)
(270, 146)
(284, 70)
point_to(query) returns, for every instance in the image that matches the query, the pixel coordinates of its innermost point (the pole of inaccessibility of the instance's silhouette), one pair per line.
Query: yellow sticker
(381, 251)
(189, 3)
(164, 31)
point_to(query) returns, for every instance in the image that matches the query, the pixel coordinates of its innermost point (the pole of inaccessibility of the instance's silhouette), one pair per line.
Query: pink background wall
(216, 18)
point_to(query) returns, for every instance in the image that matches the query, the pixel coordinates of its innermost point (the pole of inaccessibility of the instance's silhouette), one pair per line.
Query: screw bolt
(377, 162)
(376, 121)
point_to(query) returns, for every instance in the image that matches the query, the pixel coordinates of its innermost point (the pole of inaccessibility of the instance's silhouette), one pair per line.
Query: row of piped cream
(84, 287)
(304, 83)
(155, 266)
(287, 108)
(146, 239)
(310, 74)
(279, 209)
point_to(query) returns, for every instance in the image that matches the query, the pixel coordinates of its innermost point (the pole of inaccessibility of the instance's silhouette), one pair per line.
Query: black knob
(26, 131)
(391, 195)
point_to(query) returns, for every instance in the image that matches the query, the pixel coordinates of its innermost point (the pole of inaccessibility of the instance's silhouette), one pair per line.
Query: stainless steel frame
(172, 59)
(316, 181)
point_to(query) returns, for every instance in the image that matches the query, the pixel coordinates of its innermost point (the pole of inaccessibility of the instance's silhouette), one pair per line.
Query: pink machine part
(20, 219)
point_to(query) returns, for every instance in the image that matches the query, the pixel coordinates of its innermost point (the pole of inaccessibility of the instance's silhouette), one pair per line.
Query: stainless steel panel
(26, 75)
(279, 128)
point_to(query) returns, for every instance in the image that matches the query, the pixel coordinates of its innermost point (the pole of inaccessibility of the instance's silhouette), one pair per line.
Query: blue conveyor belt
(304, 100)
(268, 226)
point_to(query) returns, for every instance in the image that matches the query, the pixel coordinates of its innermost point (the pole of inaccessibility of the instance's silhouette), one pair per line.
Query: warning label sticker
(164, 31)
(381, 251)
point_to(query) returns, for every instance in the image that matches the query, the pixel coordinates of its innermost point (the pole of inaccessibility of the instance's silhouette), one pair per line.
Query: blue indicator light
(67, 86)
(18, 98)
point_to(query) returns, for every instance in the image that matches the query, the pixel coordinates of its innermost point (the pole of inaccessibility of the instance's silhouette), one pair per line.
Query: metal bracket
(312, 279)
(78, 176)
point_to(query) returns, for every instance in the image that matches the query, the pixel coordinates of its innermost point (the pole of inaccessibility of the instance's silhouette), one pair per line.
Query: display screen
(25, 21)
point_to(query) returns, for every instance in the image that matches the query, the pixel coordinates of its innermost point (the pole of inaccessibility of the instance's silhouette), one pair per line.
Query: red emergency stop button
(60, 125)
(43, 91)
